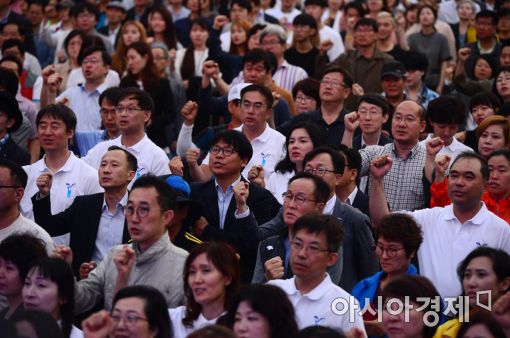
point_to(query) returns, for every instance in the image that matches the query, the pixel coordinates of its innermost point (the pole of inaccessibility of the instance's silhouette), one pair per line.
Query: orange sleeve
(439, 194)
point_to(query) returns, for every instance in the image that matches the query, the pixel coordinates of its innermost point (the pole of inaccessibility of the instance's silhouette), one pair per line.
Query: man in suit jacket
(347, 190)
(230, 152)
(96, 222)
(10, 120)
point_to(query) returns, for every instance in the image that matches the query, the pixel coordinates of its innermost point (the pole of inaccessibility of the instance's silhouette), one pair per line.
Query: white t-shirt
(24, 225)
(276, 11)
(181, 331)
(76, 77)
(151, 158)
(75, 178)
(268, 150)
(278, 183)
(315, 307)
(446, 243)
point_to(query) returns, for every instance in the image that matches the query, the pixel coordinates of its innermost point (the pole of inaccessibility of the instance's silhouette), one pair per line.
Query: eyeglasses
(10, 186)
(270, 43)
(390, 252)
(90, 60)
(318, 172)
(141, 211)
(104, 111)
(129, 110)
(257, 106)
(502, 79)
(129, 320)
(304, 98)
(227, 151)
(311, 249)
(298, 199)
(332, 83)
(407, 119)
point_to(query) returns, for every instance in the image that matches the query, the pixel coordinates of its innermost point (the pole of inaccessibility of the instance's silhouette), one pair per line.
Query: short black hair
(357, 5)
(107, 59)
(262, 90)
(322, 190)
(8, 80)
(352, 160)
(447, 109)
(316, 223)
(400, 227)
(348, 81)
(310, 87)
(377, 100)
(243, 4)
(367, 22)
(111, 94)
(491, 61)
(15, 60)
(23, 250)
(71, 35)
(36, 2)
(416, 61)
(237, 140)
(486, 99)
(59, 112)
(305, 20)
(487, 14)
(319, 332)
(19, 177)
(166, 194)
(9, 43)
(500, 152)
(484, 166)
(132, 162)
(337, 159)
(85, 7)
(321, 3)
(257, 55)
(143, 98)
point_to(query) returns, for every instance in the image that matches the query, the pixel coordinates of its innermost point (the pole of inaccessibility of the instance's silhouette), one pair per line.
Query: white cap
(235, 91)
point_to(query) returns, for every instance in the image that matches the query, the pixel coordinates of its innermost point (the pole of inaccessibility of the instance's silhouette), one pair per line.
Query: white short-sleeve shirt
(314, 308)
(181, 331)
(151, 158)
(453, 150)
(23, 225)
(268, 150)
(278, 183)
(446, 242)
(75, 178)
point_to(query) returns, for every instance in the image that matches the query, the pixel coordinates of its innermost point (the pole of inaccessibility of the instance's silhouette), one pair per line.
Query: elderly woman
(398, 238)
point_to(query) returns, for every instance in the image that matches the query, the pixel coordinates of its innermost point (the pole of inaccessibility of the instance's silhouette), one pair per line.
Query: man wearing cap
(365, 63)
(96, 222)
(10, 120)
(115, 13)
(393, 76)
(414, 88)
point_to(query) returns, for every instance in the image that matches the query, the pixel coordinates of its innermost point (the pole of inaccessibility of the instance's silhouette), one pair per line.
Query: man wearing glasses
(227, 192)
(134, 110)
(317, 300)
(13, 181)
(151, 259)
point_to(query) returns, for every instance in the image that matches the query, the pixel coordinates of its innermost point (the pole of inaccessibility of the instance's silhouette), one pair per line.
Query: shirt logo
(269, 247)
(70, 187)
(318, 320)
(139, 172)
(264, 158)
(478, 244)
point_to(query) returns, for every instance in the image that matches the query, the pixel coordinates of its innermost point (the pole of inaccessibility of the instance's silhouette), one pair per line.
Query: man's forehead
(115, 154)
(129, 99)
(254, 64)
(321, 158)
(408, 107)
(465, 165)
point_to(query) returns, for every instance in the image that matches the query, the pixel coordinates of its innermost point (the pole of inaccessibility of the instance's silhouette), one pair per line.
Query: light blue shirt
(110, 230)
(224, 198)
(85, 105)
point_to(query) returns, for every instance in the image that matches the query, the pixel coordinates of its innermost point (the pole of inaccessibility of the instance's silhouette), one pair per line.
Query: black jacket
(81, 219)
(12, 152)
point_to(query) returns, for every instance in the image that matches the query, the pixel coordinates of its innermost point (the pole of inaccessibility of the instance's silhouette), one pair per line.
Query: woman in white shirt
(49, 287)
(302, 138)
(211, 278)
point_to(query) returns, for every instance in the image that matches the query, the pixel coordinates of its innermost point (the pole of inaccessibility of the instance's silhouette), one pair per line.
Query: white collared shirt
(74, 178)
(110, 230)
(446, 242)
(352, 196)
(224, 198)
(151, 158)
(278, 183)
(330, 205)
(85, 105)
(453, 149)
(268, 150)
(314, 308)
(181, 331)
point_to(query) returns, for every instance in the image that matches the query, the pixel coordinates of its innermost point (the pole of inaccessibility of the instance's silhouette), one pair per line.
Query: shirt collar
(264, 137)
(352, 196)
(232, 185)
(122, 203)
(477, 219)
(101, 88)
(138, 147)
(67, 167)
(319, 290)
(414, 150)
(330, 205)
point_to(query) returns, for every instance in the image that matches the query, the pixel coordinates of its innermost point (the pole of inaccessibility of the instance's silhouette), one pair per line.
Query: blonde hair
(118, 58)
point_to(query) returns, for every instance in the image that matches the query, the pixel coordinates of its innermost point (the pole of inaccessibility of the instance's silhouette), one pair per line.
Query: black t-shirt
(305, 61)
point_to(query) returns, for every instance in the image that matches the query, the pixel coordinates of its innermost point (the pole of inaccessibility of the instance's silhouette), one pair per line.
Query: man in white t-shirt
(134, 111)
(452, 232)
(314, 246)
(70, 176)
(13, 181)
(268, 144)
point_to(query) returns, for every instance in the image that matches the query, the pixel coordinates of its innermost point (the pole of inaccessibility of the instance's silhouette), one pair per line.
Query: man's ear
(423, 125)
(168, 217)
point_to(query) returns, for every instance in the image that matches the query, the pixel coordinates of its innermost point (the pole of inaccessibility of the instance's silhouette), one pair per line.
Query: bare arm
(351, 122)
(378, 205)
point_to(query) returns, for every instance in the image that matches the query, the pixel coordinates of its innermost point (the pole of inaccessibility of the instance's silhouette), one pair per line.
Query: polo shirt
(24, 225)
(85, 105)
(446, 242)
(314, 308)
(180, 330)
(75, 178)
(151, 158)
(268, 150)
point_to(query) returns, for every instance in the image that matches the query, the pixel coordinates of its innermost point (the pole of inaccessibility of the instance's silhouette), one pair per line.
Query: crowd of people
(255, 169)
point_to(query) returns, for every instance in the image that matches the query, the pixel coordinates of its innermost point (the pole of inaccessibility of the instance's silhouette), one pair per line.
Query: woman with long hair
(211, 279)
(161, 27)
(49, 287)
(142, 73)
(131, 31)
(239, 37)
(502, 84)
